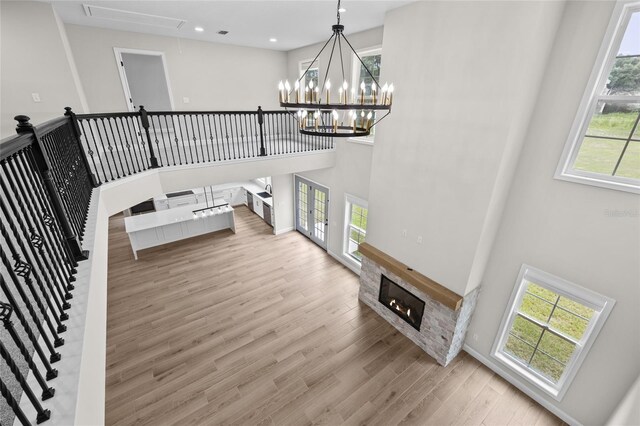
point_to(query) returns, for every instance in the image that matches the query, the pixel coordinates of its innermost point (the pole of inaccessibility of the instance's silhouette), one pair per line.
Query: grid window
(372, 58)
(604, 148)
(356, 229)
(313, 74)
(548, 329)
(303, 205)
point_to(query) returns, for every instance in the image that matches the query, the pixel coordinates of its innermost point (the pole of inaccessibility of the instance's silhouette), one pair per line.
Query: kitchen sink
(264, 194)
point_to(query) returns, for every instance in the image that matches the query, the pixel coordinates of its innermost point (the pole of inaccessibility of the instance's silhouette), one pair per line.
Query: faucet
(268, 190)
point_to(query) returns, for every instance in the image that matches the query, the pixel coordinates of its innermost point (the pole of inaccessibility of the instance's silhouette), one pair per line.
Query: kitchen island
(166, 226)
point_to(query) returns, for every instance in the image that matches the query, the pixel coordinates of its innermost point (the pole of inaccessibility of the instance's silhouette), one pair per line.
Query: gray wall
(213, 76)
(34, 60)
(563, 228)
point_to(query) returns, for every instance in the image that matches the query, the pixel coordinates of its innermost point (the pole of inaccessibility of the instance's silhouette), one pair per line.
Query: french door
(312, 207)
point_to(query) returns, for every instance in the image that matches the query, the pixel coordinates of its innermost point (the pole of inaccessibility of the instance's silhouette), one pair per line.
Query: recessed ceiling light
(273, 39)
(342, 10)
(199, 29)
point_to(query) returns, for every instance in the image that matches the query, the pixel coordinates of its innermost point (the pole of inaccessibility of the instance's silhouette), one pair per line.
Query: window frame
(602, 306)
(355, 82)
(350, 200)
(302, 67)
(597, 81)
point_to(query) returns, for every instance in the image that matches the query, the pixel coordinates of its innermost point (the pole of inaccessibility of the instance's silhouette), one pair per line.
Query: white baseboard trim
(340, 259)
(283, 230)
(520, 385)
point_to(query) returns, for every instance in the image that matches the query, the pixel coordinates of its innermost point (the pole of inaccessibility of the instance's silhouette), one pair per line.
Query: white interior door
(312, 208)
(144, 79)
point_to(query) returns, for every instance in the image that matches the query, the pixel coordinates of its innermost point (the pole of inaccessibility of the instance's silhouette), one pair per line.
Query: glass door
(312, 207)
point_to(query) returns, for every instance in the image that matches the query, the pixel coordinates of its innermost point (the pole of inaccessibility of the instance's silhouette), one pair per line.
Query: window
(372, 58)
(312, 75)
(548, 329)
(604, 144)
(356, 227)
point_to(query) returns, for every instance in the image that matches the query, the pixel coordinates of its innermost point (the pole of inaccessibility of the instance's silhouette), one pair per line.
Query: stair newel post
(78, 133)
(263, 152)
(144, 119)
(42, 162)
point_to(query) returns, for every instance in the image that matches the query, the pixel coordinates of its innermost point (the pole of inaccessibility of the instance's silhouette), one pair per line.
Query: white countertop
(250, 186)
(166, 217)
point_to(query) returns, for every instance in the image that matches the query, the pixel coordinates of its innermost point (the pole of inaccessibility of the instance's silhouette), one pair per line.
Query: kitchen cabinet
(257, 206)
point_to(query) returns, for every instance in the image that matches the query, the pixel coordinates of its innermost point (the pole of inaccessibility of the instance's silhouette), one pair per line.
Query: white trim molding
(601, 306)
(597, 82)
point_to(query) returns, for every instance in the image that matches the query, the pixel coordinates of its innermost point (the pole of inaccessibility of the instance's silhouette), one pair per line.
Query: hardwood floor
(253, 328)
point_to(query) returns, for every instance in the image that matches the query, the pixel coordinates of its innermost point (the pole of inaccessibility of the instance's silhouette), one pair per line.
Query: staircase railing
(47, 175)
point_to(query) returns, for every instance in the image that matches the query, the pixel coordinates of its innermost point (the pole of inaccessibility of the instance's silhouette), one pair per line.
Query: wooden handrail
(423, 283)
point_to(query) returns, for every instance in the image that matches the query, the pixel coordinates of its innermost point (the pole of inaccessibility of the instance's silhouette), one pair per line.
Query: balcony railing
(47, 175)
(122, 144)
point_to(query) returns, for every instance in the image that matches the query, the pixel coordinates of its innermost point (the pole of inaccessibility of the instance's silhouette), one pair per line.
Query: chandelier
(353, 113)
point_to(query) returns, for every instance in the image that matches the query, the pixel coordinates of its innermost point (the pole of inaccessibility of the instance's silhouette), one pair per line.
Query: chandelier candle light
(350, 116)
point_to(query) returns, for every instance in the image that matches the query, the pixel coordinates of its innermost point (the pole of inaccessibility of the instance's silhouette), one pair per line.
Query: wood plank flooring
(253, 328)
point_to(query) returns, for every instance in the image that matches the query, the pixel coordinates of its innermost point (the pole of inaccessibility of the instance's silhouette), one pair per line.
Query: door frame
(311, 184)
(118, 51)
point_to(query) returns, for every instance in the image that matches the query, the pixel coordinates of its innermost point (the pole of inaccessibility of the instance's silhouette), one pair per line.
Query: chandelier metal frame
(317, 116)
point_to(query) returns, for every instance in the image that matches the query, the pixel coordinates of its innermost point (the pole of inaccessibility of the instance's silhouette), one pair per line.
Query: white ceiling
(250, 23)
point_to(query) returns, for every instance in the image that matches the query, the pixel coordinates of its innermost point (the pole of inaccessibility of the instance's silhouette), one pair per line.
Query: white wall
(563, 228)
(466, 77)
(34, 60)
(352, 171)
(283, 199)
(213, 76)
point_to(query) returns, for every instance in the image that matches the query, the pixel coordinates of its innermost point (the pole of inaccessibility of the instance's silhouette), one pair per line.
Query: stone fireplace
(430, 315)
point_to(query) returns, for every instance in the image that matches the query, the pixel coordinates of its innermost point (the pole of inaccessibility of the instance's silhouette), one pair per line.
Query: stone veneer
(442, 330)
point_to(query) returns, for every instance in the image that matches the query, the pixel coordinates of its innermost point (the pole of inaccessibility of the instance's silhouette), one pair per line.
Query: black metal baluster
(194, 138)
(124, 143)
(131, 145)
(15, 406)
(25, 269)
(226, 136)
(118, 149)
(54, 356)
(42, 413)
(239, 137)
(220, 135)
(38, 239)
(144, 120)
(101, 157)
(142, 144)
(5, 316)
(166, 124)
(202, 126)
(54, 151)
(155, 135)
(211, 138)
(54, 232)
(52, 373)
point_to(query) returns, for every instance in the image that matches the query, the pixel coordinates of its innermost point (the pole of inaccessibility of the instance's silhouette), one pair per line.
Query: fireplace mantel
(427, 285)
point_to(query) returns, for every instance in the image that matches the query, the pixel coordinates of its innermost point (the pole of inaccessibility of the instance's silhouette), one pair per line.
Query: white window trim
(348, 201)
(597, 80)
(601, 304)
(302, 67)
(355, 82)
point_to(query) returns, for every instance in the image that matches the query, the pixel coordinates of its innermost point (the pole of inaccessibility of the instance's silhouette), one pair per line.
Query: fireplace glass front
(401, 302)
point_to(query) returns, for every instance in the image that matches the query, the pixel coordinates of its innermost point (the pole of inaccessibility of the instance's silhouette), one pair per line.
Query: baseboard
(283, 230)
(520, 385)
(340, 259)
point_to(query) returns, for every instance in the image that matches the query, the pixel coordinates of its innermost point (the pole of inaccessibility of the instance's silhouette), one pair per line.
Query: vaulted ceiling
(249, 23)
